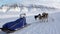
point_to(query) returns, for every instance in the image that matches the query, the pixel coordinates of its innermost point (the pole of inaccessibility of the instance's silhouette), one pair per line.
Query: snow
(50, 27)
(36, 27)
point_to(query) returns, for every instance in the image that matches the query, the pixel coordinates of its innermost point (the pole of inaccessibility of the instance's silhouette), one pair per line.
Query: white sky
(52, 3)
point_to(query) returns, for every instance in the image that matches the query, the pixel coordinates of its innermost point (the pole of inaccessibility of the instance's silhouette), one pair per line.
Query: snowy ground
(50, 27)
(36, 27)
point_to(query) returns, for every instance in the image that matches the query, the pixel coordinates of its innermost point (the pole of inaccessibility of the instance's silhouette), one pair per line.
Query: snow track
(51, 27)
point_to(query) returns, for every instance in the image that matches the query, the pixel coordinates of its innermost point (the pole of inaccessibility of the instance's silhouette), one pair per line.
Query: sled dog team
(12, 26)
(43, 17)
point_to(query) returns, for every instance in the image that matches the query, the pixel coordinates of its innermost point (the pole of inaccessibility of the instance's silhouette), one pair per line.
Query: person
(12, 26)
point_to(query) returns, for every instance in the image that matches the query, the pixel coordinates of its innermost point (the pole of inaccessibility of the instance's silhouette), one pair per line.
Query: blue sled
(15, 24)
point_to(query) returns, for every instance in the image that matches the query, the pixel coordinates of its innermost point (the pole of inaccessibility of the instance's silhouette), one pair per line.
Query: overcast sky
(54, 3)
